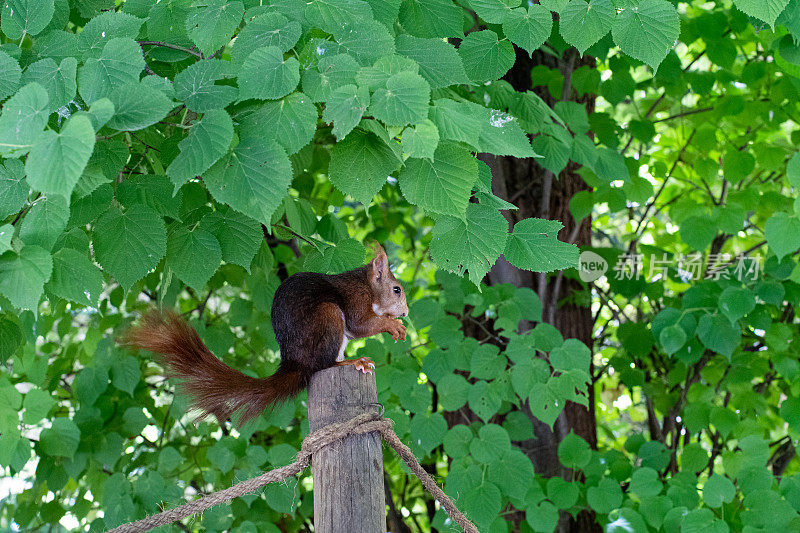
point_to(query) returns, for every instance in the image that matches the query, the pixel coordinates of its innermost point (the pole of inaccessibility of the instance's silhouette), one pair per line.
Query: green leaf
(783, 234)
(10, 338)
(239, 236)
(484, 400)
(647, 31)
(439, 62)
(6, 233)
(345, 107)
(23, 118)
(118, 65)
(472, 245)
(270, 29)
(45, 221)
(459, 121)
(528, 28)
(253, 178)
(486, 363)
(737, 165)
(487, 130)
(556, 153)
(208, 140)
(125, 374)
(563, 494)
(574, 452)
(211, 24)
(58, 80)
(36, 405)
(453, 392)
(485, 57)
(10, 75)
(366, 40)
(456, 441)
(427, 431)
(645, 482)
(672, 338)
(23, 275)
(735, 302)
(75, 277)
(421, 140)
(443, 185)
(331, 73)
(546, 405)
(265, 75)
(130, 114)
(697, 233)
(346, 254)
(128, 244)
(501, 134)
(767, 11)
(625, 520)
(512, 471)
(793, 170)
(20, 17)
(221, 457)
(329, 15)
(542, 517)
(193, 254)
(572, 355)
(404, 100)
(533, 246)
(717, 490)
(291, 122)
(584, 23)
(717, 334)
(360, 164)
(196, 85)
(100, 112)
(493, 441)
(605, 497)
(526, 372)
(104, 28)
(61, 439)
(432, 18)
(57, 160)
(376, 76)
(493, 11)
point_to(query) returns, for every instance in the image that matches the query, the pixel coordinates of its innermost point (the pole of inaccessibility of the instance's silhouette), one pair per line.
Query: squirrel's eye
(396, 290)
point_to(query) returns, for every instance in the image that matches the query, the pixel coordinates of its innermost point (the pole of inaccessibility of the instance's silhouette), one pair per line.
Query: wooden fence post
(348, 475)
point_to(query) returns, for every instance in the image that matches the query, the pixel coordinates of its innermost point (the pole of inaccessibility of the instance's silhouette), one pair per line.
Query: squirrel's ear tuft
(380, 264)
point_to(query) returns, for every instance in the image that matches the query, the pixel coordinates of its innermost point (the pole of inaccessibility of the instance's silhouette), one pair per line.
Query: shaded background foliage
(660, 401)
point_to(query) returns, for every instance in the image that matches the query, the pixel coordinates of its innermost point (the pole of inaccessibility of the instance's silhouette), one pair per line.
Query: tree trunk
(538, 193)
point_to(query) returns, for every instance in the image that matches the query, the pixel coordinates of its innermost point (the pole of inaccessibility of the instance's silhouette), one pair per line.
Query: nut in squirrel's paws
(364, 364)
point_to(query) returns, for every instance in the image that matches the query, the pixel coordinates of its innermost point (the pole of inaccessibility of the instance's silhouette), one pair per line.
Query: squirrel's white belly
(346, 336)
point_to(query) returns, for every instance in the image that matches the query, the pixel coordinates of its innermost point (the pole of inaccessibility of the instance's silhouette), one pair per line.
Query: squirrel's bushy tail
(214, 387)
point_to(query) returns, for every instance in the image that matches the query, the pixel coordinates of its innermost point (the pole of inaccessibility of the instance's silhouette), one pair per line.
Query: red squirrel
(313, 316)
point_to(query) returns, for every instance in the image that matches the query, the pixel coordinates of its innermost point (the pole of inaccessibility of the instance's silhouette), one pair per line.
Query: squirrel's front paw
(397, 330)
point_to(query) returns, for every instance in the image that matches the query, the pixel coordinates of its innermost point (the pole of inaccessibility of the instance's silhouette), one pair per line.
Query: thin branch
(172, 46)
(684, 114)
(652, 202)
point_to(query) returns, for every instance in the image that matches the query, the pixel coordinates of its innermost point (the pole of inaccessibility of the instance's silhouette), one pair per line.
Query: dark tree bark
(538, 193)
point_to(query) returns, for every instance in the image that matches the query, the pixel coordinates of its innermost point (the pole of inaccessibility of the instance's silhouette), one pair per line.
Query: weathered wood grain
(348, 475)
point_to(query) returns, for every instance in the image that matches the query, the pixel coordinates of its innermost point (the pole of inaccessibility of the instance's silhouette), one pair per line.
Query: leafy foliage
(192, 155)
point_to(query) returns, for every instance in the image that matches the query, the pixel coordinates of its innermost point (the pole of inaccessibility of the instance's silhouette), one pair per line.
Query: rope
(364, 423)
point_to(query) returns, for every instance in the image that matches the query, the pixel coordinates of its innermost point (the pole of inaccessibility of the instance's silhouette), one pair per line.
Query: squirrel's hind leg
(328, 335)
